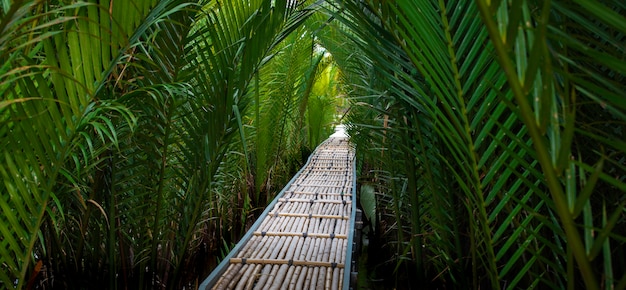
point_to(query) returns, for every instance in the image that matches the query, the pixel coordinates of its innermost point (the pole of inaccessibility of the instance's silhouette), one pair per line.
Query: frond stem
(573, 238)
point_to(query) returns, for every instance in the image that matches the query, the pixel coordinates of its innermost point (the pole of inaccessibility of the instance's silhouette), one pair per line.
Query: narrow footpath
(302, 239)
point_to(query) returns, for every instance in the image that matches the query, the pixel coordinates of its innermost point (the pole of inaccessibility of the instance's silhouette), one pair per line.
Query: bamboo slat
(246, 261)
(306, 193)
(314, 200)
(315, 216)
(302, 234)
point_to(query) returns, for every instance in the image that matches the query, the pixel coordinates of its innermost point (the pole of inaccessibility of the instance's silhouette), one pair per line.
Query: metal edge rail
(347, 272)
(221, 268)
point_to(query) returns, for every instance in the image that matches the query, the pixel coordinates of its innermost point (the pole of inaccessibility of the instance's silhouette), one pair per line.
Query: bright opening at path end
(340, 131)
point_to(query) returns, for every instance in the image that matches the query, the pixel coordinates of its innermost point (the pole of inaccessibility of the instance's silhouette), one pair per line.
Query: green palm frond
(276, 129)
(52, 115)
(187, 128)
(496, 143)
(468, 138)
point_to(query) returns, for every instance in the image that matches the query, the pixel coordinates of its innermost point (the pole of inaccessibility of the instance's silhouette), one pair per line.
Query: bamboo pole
(336, 279)
(299, 208)
(254, 277)
(329, 279)
(316, 273)
(300, 284)
(246, 272)
(271, 277)
(293, 277)
(274, 225)
(277, 248)
(292, 254)
(286, 200)
(265, 273)
(249, 246)
(321, 278)
(263, 251)
(316, 249)
(303, 234)
(280, 277)
(287, 252)
(240, 261)
(287, 249)
(228, 276)
(309, 257)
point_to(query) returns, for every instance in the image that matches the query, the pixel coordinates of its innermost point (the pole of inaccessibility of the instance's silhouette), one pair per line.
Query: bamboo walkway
(304, 237)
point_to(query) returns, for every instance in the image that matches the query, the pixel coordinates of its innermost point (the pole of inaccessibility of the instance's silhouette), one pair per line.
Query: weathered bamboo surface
(303, 241)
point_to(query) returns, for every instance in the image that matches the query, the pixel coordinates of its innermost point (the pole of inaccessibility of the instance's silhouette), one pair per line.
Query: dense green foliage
(137, 138)
(120, 138)
(496, 143)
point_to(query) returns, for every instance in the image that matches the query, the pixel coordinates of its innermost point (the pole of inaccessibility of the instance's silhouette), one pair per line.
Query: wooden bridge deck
(303, 239)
